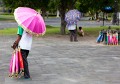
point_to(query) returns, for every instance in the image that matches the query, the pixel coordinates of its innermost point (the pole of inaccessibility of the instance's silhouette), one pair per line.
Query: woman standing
(24, 41)
(73, 32)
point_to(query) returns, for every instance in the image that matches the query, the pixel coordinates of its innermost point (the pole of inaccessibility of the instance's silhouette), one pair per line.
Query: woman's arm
(15, 44)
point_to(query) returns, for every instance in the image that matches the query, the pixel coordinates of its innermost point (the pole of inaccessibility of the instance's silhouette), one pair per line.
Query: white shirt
(26, 41)
(72, 27)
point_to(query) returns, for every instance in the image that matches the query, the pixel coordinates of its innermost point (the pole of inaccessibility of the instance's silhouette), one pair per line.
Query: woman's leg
(75, 35)
(25, 62)
(71, 35)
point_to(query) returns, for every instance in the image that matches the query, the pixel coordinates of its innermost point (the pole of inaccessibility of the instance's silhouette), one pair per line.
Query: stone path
(55, 60)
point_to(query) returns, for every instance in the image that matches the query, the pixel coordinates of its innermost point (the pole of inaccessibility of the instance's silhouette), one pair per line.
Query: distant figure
(115, 38)
(73, 32)
(80, 31)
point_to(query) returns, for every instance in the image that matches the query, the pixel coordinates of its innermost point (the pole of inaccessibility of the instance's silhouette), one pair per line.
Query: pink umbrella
(30, 20)
(13, 65)
(10, 67)
(16, 63)
(16, 68)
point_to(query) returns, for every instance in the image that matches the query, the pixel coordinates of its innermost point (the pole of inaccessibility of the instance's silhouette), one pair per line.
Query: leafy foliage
(62, 5)
(26, 3)
(96, 5)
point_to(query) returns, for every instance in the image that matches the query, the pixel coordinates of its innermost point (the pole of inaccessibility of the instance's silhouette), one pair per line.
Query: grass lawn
(56, 31)
(50, 30)
(95, 31)
(7, 18)
(8, 31)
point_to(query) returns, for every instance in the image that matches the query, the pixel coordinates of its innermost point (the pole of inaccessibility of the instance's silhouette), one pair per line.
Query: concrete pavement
(55, 60)
(84, 22)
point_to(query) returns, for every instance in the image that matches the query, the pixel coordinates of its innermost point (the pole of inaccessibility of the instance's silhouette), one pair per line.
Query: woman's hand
(15, 44)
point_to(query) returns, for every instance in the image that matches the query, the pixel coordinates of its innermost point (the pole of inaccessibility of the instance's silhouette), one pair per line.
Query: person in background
(80, 31)
(73, 32)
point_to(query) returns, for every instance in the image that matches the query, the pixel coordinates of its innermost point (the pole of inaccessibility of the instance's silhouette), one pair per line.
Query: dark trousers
(25, 62)
(73, 35)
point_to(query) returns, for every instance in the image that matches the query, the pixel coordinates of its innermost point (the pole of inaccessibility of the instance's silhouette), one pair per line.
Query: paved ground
(55, 60)
(84, 22)
(56, 22)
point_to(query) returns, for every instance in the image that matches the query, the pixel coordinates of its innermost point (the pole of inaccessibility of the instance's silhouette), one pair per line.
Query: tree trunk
(71, 4)
(43, 12)
(63, 24)
(97, 15)
(57, 13)
(62, 10)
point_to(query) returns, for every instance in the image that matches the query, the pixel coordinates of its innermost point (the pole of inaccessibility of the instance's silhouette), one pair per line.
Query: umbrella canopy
(30, 20)
(72, 16)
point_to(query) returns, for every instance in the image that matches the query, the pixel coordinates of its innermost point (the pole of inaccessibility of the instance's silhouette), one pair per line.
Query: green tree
(36, 4)
(63, 6)
(94, 5)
